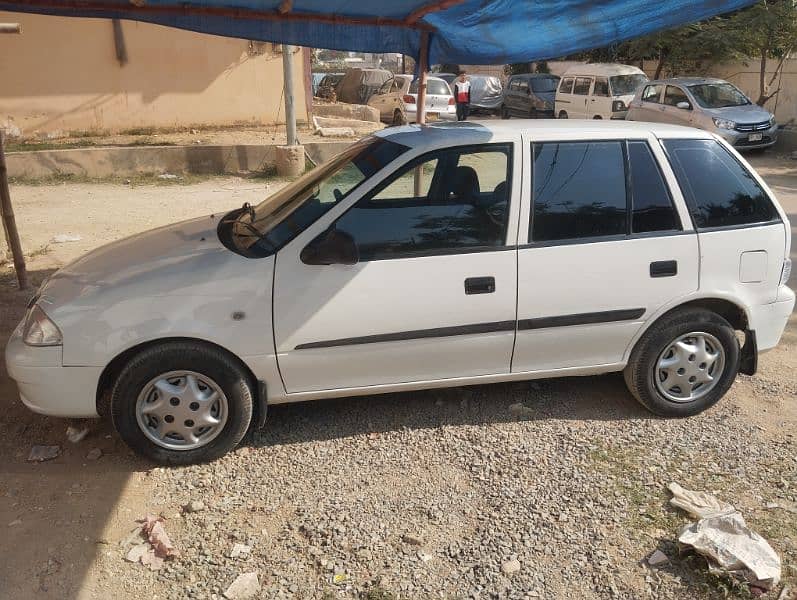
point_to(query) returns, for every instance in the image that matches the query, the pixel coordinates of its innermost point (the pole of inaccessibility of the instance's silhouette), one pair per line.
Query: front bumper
(45, 385)
(741, 139)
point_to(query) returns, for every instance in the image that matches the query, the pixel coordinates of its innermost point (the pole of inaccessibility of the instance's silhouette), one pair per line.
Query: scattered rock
(412, 540)
(65, 238)
(137, 552)
(520, 410)
(658, 558)
(94, 454)
(76, 434)
(240, 550)
(245, 586)
(425, 556)
(194, 506)
(42, 453)
(510, 567)
(168, 176)
(15, 522)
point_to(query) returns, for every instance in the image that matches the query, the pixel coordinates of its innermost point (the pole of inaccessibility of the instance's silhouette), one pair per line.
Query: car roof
(602, 69)
(535, 76)
(688, 80)
(481, 132)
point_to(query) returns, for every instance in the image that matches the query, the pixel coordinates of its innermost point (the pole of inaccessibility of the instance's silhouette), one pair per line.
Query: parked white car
(397, 100)
(424, 257)
(597, 91)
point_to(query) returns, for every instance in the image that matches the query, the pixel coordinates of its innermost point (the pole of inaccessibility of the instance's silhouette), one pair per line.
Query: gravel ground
(439, 494)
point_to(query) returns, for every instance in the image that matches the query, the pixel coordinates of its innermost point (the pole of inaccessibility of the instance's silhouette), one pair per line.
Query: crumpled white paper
(722, 536)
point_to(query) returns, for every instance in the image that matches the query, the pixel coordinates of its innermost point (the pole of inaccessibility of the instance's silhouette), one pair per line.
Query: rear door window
(582, 86)
(652, 208)
(720, 191)
(579, 191)
(673, 95)
(567, 86)
(652, 93)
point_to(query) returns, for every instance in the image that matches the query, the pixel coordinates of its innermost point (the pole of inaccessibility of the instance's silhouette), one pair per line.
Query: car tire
(597, 117)
(399, 118)
(663, 358)
(505, 112)
(562, 114)
(203, 384)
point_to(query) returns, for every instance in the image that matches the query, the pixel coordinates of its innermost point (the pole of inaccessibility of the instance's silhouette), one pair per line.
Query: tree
(767, 30)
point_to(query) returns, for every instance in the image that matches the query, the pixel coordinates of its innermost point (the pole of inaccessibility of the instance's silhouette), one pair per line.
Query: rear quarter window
(719, 190)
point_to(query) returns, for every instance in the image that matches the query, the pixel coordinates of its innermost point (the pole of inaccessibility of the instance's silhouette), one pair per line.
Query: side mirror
(332, 247)
(684, 106)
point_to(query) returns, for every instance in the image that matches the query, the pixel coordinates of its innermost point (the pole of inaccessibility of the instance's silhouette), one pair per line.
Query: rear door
(649, 107)
(433, 295)
(581, 89)
(604, 248)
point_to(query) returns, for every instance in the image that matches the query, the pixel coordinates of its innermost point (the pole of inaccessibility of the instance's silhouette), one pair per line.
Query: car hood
(182, 259)
(749, 113)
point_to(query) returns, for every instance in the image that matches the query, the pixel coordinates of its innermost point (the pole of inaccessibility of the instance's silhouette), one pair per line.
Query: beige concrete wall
(62, 74)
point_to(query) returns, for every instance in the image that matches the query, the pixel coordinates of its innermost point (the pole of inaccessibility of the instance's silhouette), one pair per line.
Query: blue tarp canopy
(460, 31)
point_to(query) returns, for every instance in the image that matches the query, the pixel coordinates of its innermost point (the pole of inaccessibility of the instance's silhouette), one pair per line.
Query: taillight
(451, 101)
(408, 99)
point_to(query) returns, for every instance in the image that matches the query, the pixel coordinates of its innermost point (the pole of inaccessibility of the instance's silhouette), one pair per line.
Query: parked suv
(424, 257)
(597, 91)
(529, 96)
(711, 104)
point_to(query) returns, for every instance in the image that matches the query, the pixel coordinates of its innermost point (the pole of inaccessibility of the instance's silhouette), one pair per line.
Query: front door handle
(479, 285)
(664, 268)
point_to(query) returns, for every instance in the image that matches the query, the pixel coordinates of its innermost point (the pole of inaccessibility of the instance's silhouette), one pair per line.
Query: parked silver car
(711, 104)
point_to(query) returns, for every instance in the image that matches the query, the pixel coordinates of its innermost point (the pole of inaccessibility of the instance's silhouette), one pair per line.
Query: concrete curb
(131, 160)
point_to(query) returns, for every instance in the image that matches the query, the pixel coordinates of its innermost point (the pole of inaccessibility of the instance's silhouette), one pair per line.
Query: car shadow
(54, 515)
(602, 398)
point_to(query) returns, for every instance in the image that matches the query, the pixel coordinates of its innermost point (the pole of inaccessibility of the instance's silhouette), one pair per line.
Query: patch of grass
(84, 133)
(131, 180)
(43, 251)
(34, 146)
(379, 593)
(139, 131)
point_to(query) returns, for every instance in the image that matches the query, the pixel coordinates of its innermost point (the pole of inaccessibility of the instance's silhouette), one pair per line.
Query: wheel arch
(114, 367)
(730, 309)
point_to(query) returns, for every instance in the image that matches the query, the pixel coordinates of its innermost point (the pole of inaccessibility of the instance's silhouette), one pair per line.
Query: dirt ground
(62, 520)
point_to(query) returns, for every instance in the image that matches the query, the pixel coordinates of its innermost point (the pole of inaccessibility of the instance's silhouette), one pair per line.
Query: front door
(671, 113)
(580, 98)
(604, 252)
(433, 295)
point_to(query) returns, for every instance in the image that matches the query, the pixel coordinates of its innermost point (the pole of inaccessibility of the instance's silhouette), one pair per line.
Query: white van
(599, 91)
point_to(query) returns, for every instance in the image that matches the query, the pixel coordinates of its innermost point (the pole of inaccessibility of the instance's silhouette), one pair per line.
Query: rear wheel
(505, 112)
(684, 363)
(597, 117)
(562, 114)
(182, 403)
(399, 118)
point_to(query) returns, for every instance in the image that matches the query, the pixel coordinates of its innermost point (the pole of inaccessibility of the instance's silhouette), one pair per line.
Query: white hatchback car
(424, 257)
(397, 100)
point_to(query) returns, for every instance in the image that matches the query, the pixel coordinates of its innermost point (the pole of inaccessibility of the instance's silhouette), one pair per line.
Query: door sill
(444, 383)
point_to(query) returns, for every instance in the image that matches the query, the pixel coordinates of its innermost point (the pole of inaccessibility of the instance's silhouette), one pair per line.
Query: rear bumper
(47, 387)
(769, 320)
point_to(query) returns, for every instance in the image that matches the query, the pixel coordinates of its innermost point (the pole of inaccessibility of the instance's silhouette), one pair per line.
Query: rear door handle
(479, 285)
(664, 268)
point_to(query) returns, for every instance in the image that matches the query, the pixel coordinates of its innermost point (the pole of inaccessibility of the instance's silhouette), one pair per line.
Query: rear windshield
(623, 85)
(718, 95)
(434, 87)
(544, 84)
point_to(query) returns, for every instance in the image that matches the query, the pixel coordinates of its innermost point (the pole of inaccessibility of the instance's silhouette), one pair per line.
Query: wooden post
(10, 28)
(423, 67)
(9, 223)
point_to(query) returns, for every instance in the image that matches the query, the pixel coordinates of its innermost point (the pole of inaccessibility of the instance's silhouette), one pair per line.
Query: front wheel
(504, 112)
(182, 403)
(684, 363)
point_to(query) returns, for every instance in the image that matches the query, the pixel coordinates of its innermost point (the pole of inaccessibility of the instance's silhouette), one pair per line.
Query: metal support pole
(290, 109)
(9, 223)
(423, 67)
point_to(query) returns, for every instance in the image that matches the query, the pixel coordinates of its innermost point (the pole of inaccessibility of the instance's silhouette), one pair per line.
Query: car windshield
(623, 85)
(434, 87)
(718, 95)
(544, 84)
(284, 215)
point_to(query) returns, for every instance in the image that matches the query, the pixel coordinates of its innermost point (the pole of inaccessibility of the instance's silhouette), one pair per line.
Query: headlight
(39, 329)
(772, 121)
(724, 123)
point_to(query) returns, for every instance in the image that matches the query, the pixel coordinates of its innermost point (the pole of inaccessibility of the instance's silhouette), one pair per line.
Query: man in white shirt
(462, 96)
